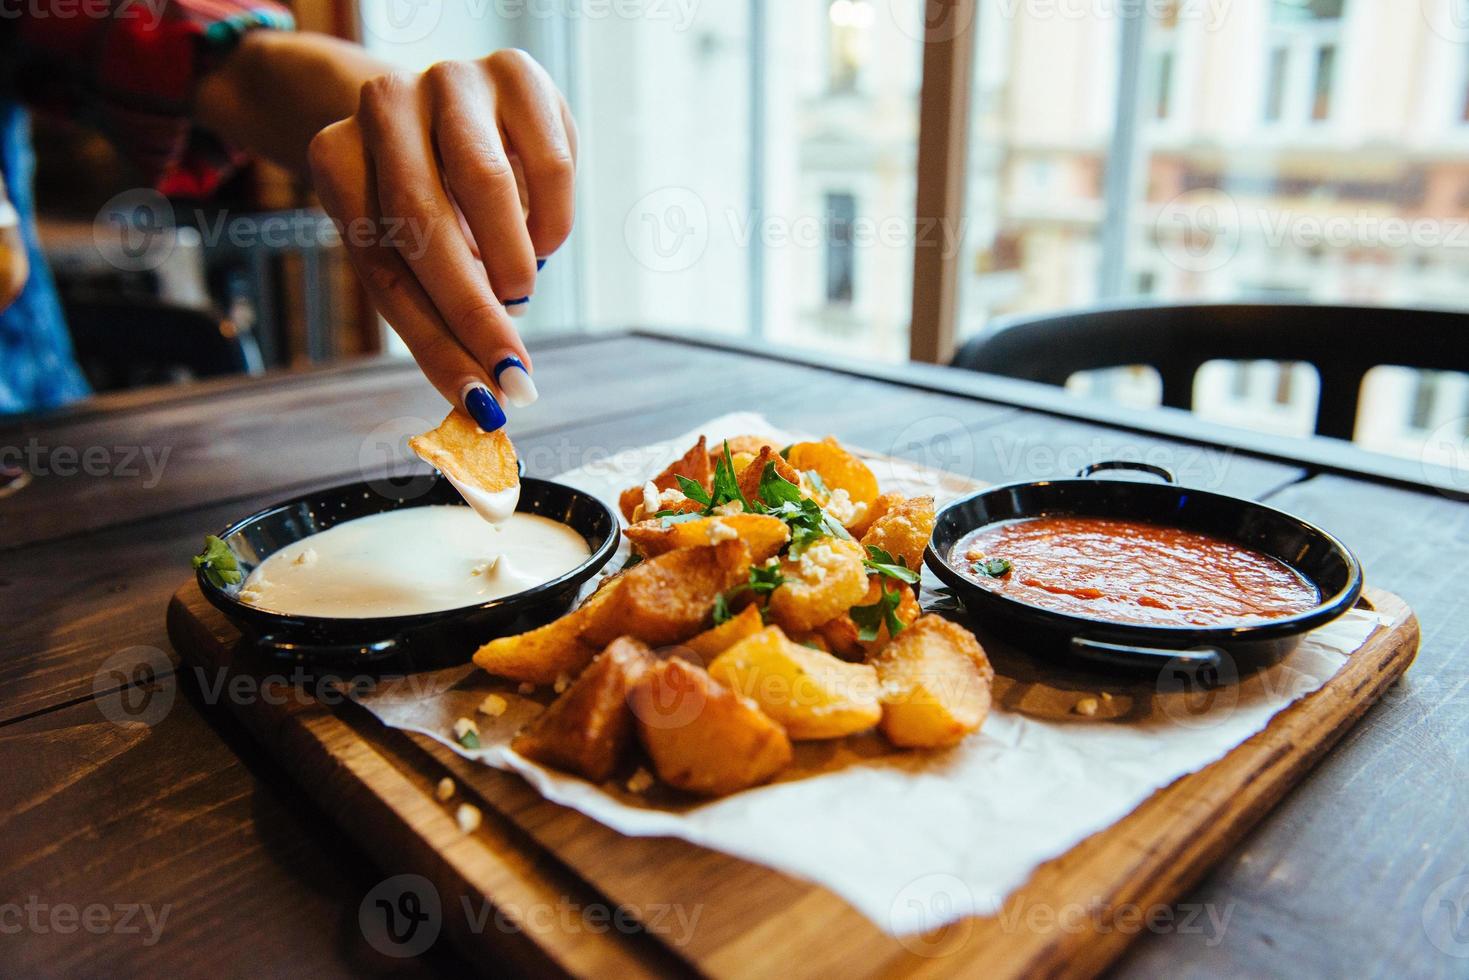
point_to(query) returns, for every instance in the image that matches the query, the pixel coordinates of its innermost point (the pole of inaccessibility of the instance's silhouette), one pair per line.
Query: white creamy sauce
(493, 506)
(415, 560)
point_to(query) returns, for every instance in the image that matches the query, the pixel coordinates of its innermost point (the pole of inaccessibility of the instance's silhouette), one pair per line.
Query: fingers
(342, 177)
(395, 130)
(535, 121)
(480, 176)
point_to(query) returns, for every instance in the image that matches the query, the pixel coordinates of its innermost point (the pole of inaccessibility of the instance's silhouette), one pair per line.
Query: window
(1301, 47)
(841, 258)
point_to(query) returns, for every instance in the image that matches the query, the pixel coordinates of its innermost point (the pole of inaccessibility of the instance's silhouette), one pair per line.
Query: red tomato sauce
(1132, 572)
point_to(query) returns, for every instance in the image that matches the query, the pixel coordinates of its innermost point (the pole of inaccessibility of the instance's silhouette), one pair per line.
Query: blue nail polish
(506, 364)
(482, 407)
(517, 302)
(540, 264)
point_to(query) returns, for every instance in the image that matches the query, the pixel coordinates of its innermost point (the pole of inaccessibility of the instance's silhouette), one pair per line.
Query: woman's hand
(449, 187)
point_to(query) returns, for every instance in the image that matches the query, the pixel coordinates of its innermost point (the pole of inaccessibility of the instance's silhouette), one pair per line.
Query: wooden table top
(177, 847)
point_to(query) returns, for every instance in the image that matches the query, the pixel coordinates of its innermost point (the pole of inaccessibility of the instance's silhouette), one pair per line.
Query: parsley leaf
(726, 486)
(881, 562)
(218, 563)
(721, 610)
(814, 478)
(776, 490)
(668, 518)
(884, 612)
(992, 567)
(694, 490)
(470, 740)
(763, 580)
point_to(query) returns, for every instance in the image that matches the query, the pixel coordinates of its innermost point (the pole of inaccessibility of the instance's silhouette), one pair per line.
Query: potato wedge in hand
(935, 684)
(712, 642)
(702, 737)
(811, 693)
(824, 582)
(903, 531)
(670, 598)
(589, 728)
(765, 535)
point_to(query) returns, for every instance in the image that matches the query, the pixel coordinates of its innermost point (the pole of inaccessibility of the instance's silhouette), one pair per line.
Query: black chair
(1343, 343)
(127, 343)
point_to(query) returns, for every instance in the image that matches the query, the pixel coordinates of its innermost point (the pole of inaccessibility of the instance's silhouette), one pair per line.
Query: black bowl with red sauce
(1316, 576)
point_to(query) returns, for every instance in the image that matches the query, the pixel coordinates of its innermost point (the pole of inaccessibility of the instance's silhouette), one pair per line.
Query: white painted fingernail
(515, 382)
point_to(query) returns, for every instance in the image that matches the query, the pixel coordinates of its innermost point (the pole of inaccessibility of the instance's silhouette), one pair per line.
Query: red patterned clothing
(128, 68)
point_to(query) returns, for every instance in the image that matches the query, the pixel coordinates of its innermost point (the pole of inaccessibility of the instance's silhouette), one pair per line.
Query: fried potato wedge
(670, 598)
(842, 635)
(811, 693)
(702, 737)
(824, 582)
(460, 449)
(542, 655)
(589, 728)
(838, 468)
(751, 475)
(693, 464)
(738, 445)
(712, 642)
(764, 535)
(903, 531)
(875, 511)
(935, 684)
(555, 650)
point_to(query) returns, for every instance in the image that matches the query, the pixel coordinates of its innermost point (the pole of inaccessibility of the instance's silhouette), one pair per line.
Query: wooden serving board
(540, 887)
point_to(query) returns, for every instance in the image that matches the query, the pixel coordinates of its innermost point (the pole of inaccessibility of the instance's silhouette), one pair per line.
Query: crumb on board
(468, 817)
(526, 687)
(444, 790)
(1106, 696)
(1086, 706)
(493, 705)
(562, 682)
(640, 781)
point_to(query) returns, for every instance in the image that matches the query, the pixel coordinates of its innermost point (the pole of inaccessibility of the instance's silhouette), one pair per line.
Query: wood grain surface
(1338, 880)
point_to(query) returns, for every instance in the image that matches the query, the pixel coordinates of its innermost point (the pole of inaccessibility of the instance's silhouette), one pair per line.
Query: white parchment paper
(977, 819)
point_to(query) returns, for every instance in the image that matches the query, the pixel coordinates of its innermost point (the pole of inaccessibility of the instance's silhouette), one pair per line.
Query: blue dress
(37, 367)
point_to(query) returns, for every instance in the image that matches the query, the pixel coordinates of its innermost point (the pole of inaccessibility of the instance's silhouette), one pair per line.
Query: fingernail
(517, 307)
(480, 403)
(515, 381)
(540, 264)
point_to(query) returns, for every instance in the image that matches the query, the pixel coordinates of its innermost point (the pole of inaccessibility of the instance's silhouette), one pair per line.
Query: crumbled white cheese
(562, 682)
(640, 781)
(468, 817)
(444, 790)
(463, 727)
(813, 562)
(720, 531)
(493, 705)
(843, 509)
(526, 687)
(650, 499)
(729, 508)
(307, 557)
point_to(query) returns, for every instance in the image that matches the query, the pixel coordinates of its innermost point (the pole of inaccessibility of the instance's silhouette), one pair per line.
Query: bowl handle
(1126, 464)
(1150, 658)
(293, 649)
